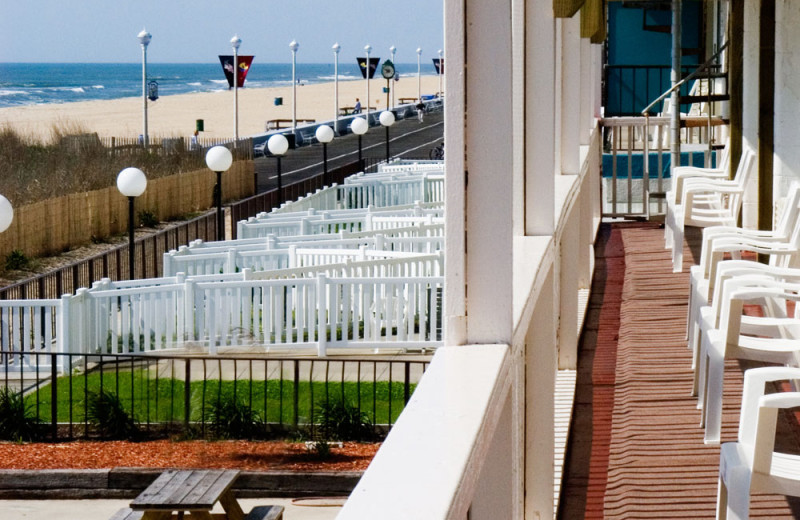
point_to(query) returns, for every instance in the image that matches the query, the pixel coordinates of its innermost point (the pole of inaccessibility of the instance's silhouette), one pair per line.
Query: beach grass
(74, 160)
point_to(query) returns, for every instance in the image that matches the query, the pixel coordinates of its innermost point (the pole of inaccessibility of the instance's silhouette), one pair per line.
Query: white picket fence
(378, 192)
(314, 279)
(393, 188)
(195, 262)
(254, 228)
(401, 166)
(318, 313)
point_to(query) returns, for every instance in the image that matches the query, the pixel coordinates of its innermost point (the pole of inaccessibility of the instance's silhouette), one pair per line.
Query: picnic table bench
(408, 100)
(196, 492)
(277, 124)
(346, 111)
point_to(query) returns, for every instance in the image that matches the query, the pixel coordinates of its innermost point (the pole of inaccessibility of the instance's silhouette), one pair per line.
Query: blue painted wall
(628, 90)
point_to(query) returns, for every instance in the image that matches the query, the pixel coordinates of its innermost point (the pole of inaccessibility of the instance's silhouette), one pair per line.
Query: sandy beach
(173, 116)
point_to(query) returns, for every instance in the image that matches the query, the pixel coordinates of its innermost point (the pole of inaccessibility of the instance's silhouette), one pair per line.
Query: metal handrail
(646, 114)
(691, 76)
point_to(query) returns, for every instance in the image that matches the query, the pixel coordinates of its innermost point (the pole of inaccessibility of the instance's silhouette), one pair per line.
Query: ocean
(42, 83)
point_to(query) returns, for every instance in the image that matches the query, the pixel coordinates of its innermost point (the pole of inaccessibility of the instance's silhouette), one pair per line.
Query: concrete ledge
(129, 482)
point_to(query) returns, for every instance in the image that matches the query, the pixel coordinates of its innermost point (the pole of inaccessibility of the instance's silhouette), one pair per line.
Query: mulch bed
(243, 455)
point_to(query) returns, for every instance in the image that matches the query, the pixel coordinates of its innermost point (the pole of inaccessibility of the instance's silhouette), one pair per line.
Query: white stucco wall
(787, 96)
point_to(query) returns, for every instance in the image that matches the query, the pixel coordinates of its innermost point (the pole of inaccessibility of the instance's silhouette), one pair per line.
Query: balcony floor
(636, 449)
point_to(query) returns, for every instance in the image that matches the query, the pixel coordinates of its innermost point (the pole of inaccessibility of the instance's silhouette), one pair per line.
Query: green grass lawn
(156, 400)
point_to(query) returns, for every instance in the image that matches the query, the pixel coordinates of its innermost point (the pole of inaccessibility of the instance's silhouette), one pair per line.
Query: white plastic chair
(706, 203)
(738, 273)
(773, 338)
(751, 465)
(781, 245)
(681, 173)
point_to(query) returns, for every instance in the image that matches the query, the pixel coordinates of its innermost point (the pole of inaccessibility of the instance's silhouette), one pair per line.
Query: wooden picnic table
(195, 491)
(408, 100)
(277, 124)
(346, 111)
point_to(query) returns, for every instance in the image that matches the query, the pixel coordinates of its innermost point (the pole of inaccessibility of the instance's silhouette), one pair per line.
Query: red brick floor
(636, 450)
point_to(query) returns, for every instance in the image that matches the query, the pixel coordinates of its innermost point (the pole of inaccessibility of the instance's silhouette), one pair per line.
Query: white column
(587, 85)
(455, 301)
(570, 94)
(750, 67)
(518, 123)
(488, 139)
(541, 98)
(787, 96)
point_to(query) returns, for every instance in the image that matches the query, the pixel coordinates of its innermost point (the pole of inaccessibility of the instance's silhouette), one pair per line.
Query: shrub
(322, 449)
(148, 219)
(105, 412)
(17, 421)
(337, 419)
(232, 419)
(16, 260)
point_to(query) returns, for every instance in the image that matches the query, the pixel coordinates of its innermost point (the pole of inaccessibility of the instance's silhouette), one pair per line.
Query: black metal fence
(114, 264)
(179, 394)
(628, 89)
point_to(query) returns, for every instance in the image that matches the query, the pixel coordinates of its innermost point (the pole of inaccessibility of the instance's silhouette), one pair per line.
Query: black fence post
(54, 396)
(187, 394)
(296, 397)
(406, 389)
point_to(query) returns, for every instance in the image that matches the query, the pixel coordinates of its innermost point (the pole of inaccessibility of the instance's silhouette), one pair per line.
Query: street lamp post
(144, 40)
(359, 126)
(219, 159)
(392, 50)
(441, 69)
(387, 120)
(324, 135)
(235, 43)
(419, 68)
(131, 182)
(277, 145)
(368, 49)
(294, 46)
(336, 48)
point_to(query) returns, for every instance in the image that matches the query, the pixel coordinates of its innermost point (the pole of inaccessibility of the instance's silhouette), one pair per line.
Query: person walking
(420, 110)
(357, 108)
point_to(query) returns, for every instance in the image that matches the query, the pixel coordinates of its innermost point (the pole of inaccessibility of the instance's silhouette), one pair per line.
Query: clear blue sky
(197, 31)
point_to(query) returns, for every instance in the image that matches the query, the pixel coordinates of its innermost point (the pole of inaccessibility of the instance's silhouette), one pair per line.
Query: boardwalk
(408, 139)
(636, 449)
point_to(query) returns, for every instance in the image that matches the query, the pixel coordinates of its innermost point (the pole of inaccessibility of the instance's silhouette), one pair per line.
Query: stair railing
(646, 114)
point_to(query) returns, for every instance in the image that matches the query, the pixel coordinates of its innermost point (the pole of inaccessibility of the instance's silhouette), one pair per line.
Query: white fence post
(63, 343)
(322, 316)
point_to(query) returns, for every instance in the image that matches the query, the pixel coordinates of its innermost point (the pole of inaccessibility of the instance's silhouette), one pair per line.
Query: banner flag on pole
(227, 66)
(373, 64)
(437, 65)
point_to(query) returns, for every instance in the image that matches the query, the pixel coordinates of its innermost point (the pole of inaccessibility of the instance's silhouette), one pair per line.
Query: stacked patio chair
(705, 202)
(781, 246)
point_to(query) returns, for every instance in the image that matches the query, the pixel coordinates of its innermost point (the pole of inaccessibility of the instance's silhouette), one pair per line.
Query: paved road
(407, 138)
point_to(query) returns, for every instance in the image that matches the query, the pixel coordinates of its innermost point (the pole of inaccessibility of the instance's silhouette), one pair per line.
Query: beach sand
(173, 116)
